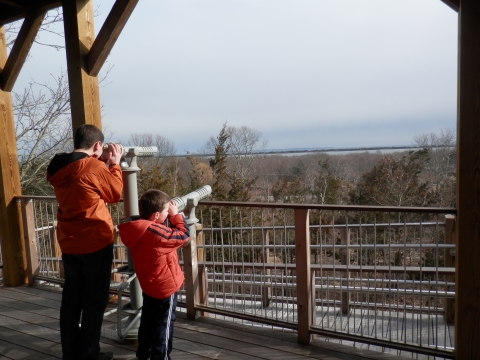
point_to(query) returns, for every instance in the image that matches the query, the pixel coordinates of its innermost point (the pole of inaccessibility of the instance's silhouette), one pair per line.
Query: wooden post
(202, 275)
(345, 260)
(449, 304)
(467, 275)
(304, 284)
(30, 240)
(119, 254)
(55, 250)
(11, 230)
(191, 274)
(266, 289)
(79, 37)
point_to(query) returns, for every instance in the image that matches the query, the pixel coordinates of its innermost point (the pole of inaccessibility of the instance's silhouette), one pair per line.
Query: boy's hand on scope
(114, 153)
(172, 208)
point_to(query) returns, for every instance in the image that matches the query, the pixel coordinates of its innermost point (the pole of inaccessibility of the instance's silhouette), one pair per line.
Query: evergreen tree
(219, 166)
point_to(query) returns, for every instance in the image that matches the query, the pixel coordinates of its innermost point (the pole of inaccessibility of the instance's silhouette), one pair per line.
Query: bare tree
(42, 127)
(166, 148)
(440, 170)
(161, 171)
(42, 111)
(243, 148)
(246, 148)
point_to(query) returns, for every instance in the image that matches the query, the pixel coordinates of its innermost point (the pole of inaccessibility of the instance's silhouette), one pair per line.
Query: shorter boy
(153, 247)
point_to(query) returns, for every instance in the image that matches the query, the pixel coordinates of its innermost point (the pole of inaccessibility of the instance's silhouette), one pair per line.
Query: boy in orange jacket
(83, 184)
(153, 247)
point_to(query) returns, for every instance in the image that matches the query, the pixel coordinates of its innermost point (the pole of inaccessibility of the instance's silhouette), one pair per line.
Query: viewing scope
(194, 197)
(132, 152)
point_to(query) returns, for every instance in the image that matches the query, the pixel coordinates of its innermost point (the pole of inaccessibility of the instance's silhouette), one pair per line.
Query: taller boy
(83, 185)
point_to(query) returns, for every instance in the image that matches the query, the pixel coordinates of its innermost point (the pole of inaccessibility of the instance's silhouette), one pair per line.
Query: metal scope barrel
(139, 151)
(130, 151)
(198, 194)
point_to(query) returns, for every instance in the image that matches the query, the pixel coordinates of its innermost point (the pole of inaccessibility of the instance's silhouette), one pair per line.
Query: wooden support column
(467, 302)
(266, 289)
(190, 268)
(11, 232)
(449, 256)
(304, 275)
(28, 216)
(79, 38)
(345, 260)
(202, 274)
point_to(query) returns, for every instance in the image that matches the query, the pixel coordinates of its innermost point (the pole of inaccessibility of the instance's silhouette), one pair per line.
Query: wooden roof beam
(21, 47)
(454, 4)
(17, 12)
(13, 4)
(108, 35)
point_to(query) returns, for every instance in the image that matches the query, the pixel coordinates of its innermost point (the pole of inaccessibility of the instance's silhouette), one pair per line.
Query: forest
(234, 164)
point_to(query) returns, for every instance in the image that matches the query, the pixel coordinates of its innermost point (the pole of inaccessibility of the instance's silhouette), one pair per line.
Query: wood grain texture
(304, 275)
(21, 48)
(108, 34)
(11, 232)
(467, 302)
(79, 37)
(29, 329)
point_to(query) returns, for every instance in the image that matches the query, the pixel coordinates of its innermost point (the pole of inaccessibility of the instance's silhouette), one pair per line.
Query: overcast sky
(306, 73)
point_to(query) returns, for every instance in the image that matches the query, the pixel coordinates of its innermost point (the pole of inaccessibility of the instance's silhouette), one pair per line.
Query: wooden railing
(315, 269)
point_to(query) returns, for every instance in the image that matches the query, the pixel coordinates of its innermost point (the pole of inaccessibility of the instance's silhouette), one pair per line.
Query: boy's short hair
(86, 135)
(151, 202)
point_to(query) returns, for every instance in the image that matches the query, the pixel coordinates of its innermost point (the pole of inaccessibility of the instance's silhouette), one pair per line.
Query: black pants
(85, 295)
(155, 335)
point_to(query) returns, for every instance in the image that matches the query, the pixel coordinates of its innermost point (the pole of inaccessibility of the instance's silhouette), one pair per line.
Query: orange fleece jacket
(82, 188)
(153, 248)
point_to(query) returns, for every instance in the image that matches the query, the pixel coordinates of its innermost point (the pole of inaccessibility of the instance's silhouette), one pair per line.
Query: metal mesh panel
(376, 276)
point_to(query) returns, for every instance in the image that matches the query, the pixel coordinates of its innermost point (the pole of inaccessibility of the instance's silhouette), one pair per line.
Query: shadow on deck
(29, 329)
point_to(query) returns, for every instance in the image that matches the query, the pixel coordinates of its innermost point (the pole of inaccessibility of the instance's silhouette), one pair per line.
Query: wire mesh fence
(385, 278)
(47, 249)
(378, 277)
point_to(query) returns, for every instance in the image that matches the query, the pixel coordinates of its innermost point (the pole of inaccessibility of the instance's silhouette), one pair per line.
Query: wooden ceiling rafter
(103, 43)
(14, 4)
(13, 10)
(108, 34)
(454, 4)
(21, 48)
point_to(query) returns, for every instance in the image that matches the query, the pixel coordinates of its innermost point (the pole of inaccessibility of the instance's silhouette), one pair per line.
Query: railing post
(28, 220)
(202, 275)
(266, 290)
(55, 250)
(449, 304)
(304, 284)
(119, 258)
(345, 260)
(192, 291)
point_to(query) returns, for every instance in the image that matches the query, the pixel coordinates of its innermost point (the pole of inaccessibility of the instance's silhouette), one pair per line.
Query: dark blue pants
(85, 296)
(155, 335)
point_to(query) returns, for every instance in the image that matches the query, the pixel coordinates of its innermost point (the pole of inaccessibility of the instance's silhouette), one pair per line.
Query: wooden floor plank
(286, 341)
(13, 351)
(48, 292)
(219, 337)
(29, 329)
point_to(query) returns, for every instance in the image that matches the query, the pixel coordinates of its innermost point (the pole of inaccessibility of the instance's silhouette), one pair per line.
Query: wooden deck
(29, 329)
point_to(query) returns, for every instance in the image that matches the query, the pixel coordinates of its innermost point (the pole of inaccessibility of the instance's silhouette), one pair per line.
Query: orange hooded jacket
(83, 184)
(153, 248)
